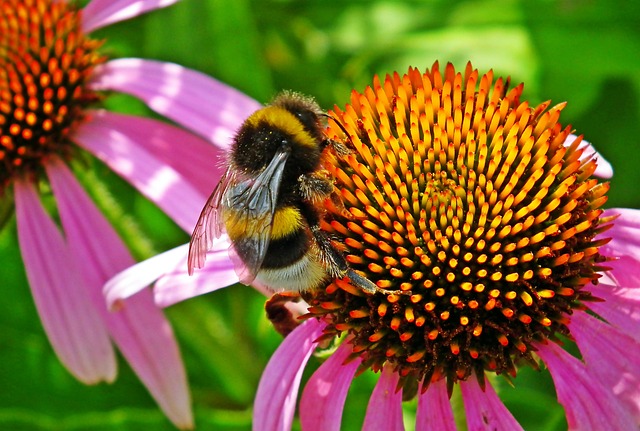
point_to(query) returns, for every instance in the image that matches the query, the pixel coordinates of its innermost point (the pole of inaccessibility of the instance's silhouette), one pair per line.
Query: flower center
(45, 62)
(460, 194)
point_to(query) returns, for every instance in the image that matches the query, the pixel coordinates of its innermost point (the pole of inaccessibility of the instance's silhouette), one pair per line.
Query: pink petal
(140, 330)
(76, 332)
(139, 276)
(484, 409)
(434, 409)
(324, 395)
(384, 411)
(168, 271)
(177, 285)
(611, 356)
(624, 272)
(193, 157)
(145, 338)
(624, 245)
(122, 149)
(621, 307)
(588, 405)
(100, 13)
(200, 103)
(604, 168)
(275, 402)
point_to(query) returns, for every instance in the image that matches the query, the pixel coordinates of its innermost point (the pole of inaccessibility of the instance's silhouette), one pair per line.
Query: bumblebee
(270, 202)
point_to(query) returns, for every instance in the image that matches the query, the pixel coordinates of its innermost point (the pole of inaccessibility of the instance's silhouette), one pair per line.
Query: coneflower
(485, 211)
(52, 77)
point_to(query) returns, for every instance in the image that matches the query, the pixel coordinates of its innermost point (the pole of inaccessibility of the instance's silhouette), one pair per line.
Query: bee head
(291, 120)
(305, 109)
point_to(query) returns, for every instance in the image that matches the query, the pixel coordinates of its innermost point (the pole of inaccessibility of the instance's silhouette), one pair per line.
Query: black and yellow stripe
(282, 120)
(290, 238)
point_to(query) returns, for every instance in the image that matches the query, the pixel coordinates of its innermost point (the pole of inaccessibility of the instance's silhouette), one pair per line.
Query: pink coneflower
(485, 211)
(51, 74)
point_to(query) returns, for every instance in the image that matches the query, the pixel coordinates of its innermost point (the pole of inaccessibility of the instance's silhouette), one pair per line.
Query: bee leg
(368, 286)
(332, 259)
(337, 266)
(314, 187)
(339, 148)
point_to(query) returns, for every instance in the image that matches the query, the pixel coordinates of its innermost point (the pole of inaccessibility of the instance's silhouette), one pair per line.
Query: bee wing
(252, 204)
(210, 223)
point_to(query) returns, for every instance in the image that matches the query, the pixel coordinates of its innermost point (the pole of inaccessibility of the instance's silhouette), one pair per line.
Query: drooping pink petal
(275, 402)
(139, 276)
(624, 246)
(621, 307)
(484, 410)
(75, 331)
(139, 328)
(624, 271)
(611, 356)
(177, 285)
(625, 232)
(324, 394)
(122, 149)
(384, 411)
(168, 271)
(100, 13)
(434, 409)
(604, 168)
(588, 405)
(198, 102)
(191, 156)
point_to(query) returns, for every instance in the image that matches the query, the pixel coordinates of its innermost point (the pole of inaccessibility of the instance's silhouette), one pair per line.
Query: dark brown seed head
(45, 62)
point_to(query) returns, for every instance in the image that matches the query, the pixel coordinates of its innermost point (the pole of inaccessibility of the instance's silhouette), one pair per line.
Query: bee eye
(307, 117)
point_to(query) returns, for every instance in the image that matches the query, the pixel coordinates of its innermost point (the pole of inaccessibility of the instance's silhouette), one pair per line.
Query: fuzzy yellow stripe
(286, 220)
(284, 120)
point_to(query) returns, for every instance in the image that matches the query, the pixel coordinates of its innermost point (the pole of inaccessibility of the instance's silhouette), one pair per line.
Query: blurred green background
(584, 52)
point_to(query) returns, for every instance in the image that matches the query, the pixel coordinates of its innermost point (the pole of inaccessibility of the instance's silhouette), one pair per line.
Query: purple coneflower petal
(484, 409)
(625, 232)
(324, 394)
(588, 405)
(624, 270)
(100, 13)
(611, 356)
(624, 246)
(621, 306)
(604, 168)
(191, 156)
(121, 149)
(384, 411)
(76, 332)
(140, 330)
(434, 409)
(169, 271)
(145, 338)
(179, 94)
(177, 285)
(275, 401)
(137, 277)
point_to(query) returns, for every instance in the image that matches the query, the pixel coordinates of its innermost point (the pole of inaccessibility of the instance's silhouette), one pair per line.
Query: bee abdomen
(303, 275)
(288, 264)
(288, 249)
(287, 221)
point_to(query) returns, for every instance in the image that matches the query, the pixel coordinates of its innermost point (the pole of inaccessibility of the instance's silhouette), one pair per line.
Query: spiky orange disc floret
(45, 62)
(468, 198)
